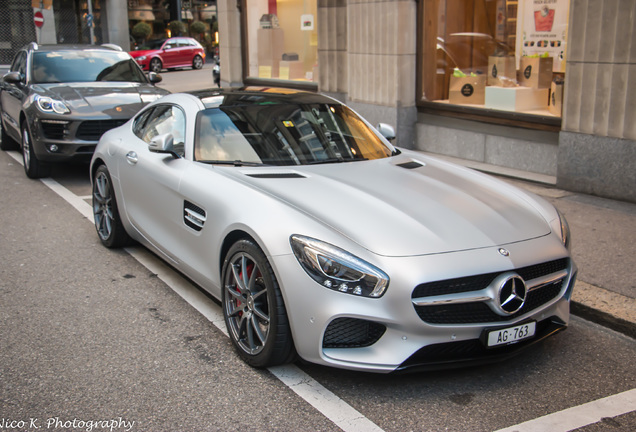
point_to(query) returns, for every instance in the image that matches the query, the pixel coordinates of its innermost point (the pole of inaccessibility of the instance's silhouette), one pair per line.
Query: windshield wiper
(237, 163)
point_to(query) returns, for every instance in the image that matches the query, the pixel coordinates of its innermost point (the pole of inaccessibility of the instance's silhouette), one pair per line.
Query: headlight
(48, 105)
(337, 269)
(141, 58)
(561, 226)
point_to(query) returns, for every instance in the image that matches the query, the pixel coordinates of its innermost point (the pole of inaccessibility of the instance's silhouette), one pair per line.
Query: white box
(516, 98)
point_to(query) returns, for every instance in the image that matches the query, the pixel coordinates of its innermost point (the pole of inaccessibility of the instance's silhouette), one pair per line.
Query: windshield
(84, 66)
(154, 44)
(285, 134)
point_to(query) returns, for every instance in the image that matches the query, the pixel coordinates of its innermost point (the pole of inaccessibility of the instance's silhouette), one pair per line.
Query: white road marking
(327, 403)
(580, 416)
(314, 393)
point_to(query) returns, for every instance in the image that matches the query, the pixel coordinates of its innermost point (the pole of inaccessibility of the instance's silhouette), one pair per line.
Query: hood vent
(410, 165)
(276, 175)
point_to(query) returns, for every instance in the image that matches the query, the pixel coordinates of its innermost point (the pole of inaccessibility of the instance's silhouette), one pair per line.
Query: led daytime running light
(47, 104)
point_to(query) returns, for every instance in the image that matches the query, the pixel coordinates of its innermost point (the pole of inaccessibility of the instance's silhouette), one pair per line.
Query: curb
(603, 318)
(607, 308)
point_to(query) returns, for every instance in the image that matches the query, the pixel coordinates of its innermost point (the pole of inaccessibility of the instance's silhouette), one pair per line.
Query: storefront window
(506, 55)
(282, 39)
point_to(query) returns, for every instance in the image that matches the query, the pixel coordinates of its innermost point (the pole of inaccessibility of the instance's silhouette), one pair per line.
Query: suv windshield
(66, 66)
(285, 134)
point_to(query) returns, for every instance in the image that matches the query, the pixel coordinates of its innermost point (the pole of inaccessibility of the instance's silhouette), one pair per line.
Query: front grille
(479, 282)
(472, 313)
(480, 312)
(56, 131)
(92, 130)
(352, 333)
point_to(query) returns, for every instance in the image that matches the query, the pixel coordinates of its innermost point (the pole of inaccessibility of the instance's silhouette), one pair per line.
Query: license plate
(511, 334)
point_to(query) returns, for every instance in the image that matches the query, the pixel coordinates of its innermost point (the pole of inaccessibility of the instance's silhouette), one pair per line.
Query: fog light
(53, 148)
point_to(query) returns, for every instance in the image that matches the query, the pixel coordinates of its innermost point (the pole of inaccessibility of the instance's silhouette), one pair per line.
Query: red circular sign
(38, 19)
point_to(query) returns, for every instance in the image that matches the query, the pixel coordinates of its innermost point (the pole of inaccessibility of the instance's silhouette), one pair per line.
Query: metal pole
(90, 28)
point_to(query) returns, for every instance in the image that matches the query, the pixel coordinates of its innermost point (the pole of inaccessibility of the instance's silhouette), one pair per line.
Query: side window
(166, 119)
(19, 63)
(140, 122)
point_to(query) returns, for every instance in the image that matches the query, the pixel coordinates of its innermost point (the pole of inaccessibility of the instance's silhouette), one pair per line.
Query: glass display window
(505, 55)
(282, 40)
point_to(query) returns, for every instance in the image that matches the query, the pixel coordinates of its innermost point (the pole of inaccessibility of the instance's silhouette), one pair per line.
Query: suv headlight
(46, 104)
(337, 269)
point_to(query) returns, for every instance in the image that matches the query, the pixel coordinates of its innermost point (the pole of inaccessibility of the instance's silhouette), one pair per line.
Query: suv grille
(352, 333)
(92, 130)
(480, 312)
(54, 130)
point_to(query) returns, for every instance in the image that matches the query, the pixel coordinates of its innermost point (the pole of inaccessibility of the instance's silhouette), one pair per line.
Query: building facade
(545, 86)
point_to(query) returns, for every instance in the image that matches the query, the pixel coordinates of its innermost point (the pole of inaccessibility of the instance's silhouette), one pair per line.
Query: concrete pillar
(115, 23)
(381, 37)
(597, 145)
(230, 49)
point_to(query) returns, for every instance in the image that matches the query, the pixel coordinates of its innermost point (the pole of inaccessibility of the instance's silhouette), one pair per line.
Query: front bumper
(58, 140)
(388, 334)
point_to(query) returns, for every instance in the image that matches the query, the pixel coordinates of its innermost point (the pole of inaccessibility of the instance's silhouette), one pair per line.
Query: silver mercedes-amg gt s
(323, 240)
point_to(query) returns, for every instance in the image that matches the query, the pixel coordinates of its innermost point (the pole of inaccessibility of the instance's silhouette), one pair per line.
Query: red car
(176, 52)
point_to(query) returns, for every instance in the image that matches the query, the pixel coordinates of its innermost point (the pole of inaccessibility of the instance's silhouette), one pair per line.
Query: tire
(33, 168)
(253, 308)
(155, 65)
(197, 62)
(108, 224)
(6, 142)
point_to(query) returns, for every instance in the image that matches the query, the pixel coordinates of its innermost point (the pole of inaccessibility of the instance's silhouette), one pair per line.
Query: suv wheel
(32, 166)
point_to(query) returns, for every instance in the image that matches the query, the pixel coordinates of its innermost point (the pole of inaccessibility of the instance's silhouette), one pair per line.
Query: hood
(401, 207)
(140, 53)
(114, 99)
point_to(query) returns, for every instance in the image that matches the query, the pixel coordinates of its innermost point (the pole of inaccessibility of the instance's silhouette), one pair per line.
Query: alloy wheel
(26, 149)
(246, 303)
(102, 206)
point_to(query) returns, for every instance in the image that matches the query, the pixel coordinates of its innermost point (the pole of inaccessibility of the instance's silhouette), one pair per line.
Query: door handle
(132, 158)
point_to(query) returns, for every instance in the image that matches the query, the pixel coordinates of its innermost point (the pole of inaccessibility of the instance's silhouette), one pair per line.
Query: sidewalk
(603, 246)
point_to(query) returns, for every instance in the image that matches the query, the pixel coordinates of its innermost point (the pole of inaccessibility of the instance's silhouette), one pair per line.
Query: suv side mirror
(386, 131)
(12, 78)
(154, 77)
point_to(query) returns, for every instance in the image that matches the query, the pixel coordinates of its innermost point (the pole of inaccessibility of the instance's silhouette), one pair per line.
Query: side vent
(193, 216)
(276, 175)
(410, 165)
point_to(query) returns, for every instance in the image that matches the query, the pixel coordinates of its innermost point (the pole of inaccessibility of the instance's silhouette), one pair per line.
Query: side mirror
(154, 77)
(163, 144)
(386, 131)
(12, 78)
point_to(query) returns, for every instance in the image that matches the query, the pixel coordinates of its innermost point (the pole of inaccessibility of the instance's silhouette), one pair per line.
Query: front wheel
(108, 224)
(197, 63)
(33, 168)
(155, 65)
(253, 308)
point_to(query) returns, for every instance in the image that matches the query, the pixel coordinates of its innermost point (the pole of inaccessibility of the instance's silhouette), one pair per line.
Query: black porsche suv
(56, 101)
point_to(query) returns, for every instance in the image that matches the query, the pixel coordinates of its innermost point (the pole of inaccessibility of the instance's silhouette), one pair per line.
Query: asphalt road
(91, 337)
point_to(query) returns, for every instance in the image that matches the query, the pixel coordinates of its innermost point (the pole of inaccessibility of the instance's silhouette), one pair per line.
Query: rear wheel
(32, 166)
(106, 214)
(155, 65)
(253, 308)
(197, 63)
